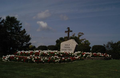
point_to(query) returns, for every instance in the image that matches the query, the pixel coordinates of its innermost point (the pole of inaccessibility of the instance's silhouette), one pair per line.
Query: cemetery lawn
(76, 69)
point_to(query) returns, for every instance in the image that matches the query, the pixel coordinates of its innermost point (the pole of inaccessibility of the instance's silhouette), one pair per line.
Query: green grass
(77, 69)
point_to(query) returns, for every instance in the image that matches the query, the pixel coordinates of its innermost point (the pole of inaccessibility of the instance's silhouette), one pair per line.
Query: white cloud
(64, 17)
(42, 15)
(43, 26)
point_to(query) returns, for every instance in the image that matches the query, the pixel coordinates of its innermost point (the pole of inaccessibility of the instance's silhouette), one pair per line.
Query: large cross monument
(69, 45)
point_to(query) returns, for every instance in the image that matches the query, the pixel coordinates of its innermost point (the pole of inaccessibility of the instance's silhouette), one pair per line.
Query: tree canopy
(113, 49)
(13, 37)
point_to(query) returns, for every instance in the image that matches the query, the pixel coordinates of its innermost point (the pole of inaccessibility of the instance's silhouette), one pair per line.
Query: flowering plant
(51, 56)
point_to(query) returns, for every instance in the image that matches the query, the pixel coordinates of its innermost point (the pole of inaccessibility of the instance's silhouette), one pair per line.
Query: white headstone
(68, 46)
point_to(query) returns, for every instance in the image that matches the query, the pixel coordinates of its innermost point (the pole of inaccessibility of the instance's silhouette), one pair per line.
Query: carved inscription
(67, 47)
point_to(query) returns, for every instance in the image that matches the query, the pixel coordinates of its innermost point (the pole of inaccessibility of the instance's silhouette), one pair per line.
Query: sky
(47, 20)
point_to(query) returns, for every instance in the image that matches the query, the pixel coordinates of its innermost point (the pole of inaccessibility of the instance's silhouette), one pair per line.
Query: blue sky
(47, 20)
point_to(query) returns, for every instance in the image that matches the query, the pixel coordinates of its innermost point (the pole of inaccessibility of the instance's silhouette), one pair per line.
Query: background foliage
(113, 49)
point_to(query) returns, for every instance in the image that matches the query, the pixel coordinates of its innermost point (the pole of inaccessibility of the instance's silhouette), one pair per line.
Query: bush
(84, 48)
(52, 47)
(98, 48)
(42, 47)
(114, 54)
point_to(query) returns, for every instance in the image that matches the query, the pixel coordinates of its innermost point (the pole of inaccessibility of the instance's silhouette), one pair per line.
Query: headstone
(68, 46)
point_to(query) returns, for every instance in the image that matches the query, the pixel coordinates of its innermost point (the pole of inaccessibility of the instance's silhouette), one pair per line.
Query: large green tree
(13, 36)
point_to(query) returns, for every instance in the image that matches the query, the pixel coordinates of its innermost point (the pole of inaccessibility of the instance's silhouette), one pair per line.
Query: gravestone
(68, 46)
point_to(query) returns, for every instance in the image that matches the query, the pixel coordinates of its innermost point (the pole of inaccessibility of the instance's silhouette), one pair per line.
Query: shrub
(42, 47)
(98, 48)
(52, 47)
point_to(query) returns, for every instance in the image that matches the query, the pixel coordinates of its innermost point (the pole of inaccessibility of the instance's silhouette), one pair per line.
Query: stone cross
(68, 31)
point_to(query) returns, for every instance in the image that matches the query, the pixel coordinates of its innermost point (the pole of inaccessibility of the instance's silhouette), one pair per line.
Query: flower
(51, 56)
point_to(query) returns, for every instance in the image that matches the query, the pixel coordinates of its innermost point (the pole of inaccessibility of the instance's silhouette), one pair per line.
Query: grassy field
(77, 69)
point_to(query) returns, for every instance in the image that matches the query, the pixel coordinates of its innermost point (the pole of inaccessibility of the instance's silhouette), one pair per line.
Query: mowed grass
(77, 69)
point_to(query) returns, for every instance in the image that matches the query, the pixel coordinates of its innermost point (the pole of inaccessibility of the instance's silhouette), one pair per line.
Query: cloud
(42, 15)
(43, 26)
(64, 17)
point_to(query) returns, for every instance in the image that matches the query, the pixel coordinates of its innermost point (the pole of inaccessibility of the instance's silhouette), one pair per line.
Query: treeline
(95, 48)
(43, 47)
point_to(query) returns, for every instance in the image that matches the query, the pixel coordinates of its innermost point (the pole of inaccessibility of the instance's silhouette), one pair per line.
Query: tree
(58, 42)
(32, 47)
(84, 46)
(113, 49)
(13, 36)
(3, 35)
(98, 48)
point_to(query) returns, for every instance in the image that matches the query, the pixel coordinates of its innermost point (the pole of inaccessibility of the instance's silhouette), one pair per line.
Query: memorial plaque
(68, 46)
